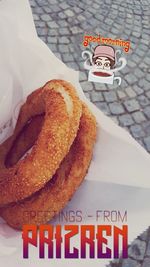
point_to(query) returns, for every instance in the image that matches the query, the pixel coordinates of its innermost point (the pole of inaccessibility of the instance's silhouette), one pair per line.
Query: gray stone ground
(62, 23)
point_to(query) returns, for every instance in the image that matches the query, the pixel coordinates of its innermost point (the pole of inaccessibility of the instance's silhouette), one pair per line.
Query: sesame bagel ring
(46, 203)
(25, 140)
(62, 108)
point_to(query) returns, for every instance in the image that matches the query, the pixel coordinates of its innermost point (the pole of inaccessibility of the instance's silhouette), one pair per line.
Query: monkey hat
(104, 51)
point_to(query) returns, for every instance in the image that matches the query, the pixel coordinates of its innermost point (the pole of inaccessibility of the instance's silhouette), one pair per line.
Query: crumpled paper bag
(118, 177)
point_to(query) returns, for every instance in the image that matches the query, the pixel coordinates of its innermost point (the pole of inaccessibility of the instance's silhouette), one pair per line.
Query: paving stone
(140, 141)
(87, 95)
(53, 32)
(126, 120)
(144, 235)
(77, 58)
(139, 73)
(148, 94)
(103, 107)
(53, 2)
(146, 127)
(146, 85)
(130, 263)
(77, 9)
(47, 9)
(39, 23)
(130, 78)
(108, 21)
(96, 6)
(76, 30)
(86, 86)
(67, 57)
(56, 8)
(137, 131)
(131, 105)
(126, 70)
(64, 31)
(93, 22)
(97, 96)
(110, 96)
(52, 47)
(146, 42)
(43, 38)
(115, 119)
(137, 89)
(115, 31)
(64, 40)
(37, 10)
(42, 31)
(138, 117)
(32, 3)
(41, 2)
(136, 58)
(62, 15)
(116, 108)
(147, 112)
(52, 25)
(69, 13)
(62, 23)
(63, 48)
(130, 92)
(147, 60)
(63, 5)
(148, 77)
(136, 34)
(140, 53)
(137, 250)
(58, 55)
(131, 64)
(146, 263)
(52, 40)
(143, 66)
(35, 17)
(147, 143)
(143, 47)
(73, 65)
(100, 87)
(112, 86)
(148, 246)
(81, 18)
(143, 100)
(83, 77)
(121, 94)
(46, 17)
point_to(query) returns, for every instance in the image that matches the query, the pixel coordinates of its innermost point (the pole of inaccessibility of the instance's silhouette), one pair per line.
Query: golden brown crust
(43, 205)
(55, 138)
(25, 140)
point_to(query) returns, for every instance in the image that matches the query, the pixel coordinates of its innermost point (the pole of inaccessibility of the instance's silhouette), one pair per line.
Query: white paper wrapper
(119, 174)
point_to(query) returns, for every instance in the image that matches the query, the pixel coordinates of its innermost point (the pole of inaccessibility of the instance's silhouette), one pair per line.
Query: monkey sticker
(103, 63)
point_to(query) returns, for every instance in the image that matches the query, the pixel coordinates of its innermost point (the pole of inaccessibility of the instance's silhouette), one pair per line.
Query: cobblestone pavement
(62, 23)
(138, 252)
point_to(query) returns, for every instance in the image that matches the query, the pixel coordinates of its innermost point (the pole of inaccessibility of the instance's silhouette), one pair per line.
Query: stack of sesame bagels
(45, 160)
